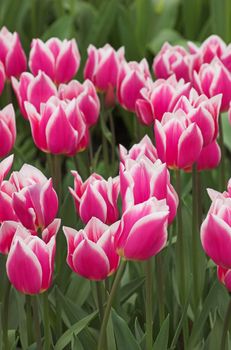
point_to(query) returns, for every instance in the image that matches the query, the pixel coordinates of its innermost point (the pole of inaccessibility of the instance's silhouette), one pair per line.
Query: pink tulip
(7, 130)
(96, 197)
(224, 276)
(178, 141)
(86, 96)
(210, 157)
(142, 231)
(2, 77)
(144, 148)
(216, 228)
(203, 111)
(11, 53)
(28, 197)
(58, 59)
(213, 79)
(160, 97)
(132, 78)
(30, 263)
(35, 90)
(142, 179)
(59, 128)
(5, 166)
(172, 60)
(102, 66)
(91, 251)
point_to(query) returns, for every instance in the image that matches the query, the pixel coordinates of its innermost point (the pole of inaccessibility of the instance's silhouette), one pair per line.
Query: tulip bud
(2, 77)
(7, 130)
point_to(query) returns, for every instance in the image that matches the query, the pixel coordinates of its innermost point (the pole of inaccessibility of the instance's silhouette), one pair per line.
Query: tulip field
(115, 175)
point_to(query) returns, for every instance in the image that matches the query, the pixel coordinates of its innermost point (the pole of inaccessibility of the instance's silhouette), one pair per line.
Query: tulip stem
(222, 166)
(160, 289)
(46, 321)
(5, 314)
(119, 274)
(149, 314)
(226, 326)
(99, 291)
(113, 143)
(37, 329)
(29, 322)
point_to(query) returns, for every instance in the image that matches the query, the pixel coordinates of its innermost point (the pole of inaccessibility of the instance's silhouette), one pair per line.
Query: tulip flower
(142, 179)
(210, 157)
(144, 148)
(35, 90)
(178, 141)
(86, 96)
(224, 276)
(213, 79)
(11, 53)
(142, 231)
(7, 130)
(5, 166)
(91, 251)
(216, 228)
(160, 97)
(60, 60)
(59, 128)
(172, 60)
(133, 76)
(30, 263)
(96, 197)
(2, 77)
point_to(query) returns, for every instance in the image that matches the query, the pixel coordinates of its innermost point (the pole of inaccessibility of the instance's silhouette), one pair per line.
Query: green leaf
(226, 130)
(66, 338)
(22, 321)
(124, 337)
(170, 35)
(130, 288)
(161, 341)
(61, 28)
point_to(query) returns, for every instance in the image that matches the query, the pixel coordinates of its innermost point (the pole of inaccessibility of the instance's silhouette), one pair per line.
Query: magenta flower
(224, 276)
(210, 156)
(132, 78)
(2, 77)
(142, 231)
(35, 90)
(11, 53)
(5, 166)
(159, 97)
(96, 197)
(86, 96)
(141, 179)
(91, 251)
(7, 130)
(178, 140)
(213, 79)
(60, 60)
(59, 128)
(30, 262)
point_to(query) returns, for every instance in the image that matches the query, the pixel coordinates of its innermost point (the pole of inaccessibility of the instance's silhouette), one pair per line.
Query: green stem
(37, 329)
(57, 175)
(29, 322)
(46, 321)
(149, 315)
(160, 289)
(5, 314)
(226, 326)
(90, 153)
(195, 234)
(99, 291)
(113, 145)
(114, 288)
(222, 165)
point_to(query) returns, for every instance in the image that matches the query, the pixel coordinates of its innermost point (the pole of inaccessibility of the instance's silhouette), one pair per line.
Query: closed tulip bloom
(224, 276)
(210, 157)
(144, 148)
(35, 90)
(160, 97)
(172, 60)
(91, 251)
(11, 53)
(60, 60)
(178, 141)
(213, 79)
(2, 77)
(86, 96)
(203, 111)
(142, 179)
(30, 263)
(5, 166)
(133, 76)
(59, 128)
(142, 231)
(96, 197)
(7, 130)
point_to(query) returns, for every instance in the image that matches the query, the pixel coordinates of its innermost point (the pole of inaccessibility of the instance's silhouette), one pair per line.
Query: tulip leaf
(61, 28)
(66, 338)
(130, 288)
(22, 321)
(161, 341)
(124, 337)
